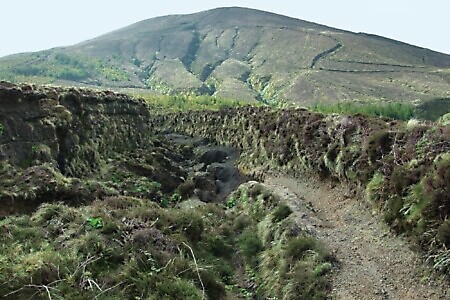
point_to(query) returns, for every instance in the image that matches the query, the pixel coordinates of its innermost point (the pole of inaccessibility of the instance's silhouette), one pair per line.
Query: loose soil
(374, 262)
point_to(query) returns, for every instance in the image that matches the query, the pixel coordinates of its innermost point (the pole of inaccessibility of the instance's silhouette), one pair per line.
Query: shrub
(443, 234)
(281, 212)
(251, 245)
(297, 248)
(218, 247)
(176, 288)
(213, 287)
(241, 222)
(192, 225)
(437, 190)
(306, 285)
(378, 145)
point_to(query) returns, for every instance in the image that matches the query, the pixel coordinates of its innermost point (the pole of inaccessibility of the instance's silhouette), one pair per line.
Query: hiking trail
(374, 262)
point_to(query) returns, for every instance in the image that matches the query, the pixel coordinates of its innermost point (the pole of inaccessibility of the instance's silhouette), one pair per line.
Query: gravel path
(374, 263)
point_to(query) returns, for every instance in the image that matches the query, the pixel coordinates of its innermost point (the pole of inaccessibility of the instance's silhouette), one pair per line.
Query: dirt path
(375, 264)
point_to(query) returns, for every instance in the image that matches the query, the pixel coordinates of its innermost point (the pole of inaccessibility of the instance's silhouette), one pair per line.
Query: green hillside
(244, 54)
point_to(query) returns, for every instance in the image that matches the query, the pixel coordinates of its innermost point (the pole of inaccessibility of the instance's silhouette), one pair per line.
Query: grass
(374, 186)
(126, 247)
(394, 110)
(284, 265)
(189, 102)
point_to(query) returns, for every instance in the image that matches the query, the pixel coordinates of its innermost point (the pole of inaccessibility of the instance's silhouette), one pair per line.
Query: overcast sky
(41, 24)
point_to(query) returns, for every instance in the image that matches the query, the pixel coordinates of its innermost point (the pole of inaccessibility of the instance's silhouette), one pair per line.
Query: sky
(37, 25)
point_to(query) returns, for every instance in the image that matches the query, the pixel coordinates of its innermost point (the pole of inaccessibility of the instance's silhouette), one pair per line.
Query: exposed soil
(374, 262)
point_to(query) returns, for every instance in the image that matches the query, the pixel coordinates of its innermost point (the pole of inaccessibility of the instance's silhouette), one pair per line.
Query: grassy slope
(246, 54)
(151, 244)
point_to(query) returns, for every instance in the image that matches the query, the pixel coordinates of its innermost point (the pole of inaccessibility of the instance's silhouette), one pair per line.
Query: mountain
(247, 54)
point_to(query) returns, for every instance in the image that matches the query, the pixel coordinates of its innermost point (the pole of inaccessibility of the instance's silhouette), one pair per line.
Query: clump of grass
(374, 187)
(297, 248)
(281, 212)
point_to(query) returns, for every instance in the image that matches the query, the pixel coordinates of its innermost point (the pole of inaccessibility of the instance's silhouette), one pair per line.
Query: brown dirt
(374, 262)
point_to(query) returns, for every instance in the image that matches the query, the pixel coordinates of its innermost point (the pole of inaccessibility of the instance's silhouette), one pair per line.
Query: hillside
(245, 54)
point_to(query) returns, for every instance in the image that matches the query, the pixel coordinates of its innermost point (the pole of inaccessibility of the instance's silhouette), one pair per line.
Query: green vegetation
(125, 227)
(373, 188)
(394, 110)
(403, 167)
(281, 213)
(283, 264)
(445, 119)
(134, 249)
(57, 65)
(190, 102)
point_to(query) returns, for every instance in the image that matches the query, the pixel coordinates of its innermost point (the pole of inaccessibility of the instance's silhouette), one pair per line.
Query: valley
(103, 197)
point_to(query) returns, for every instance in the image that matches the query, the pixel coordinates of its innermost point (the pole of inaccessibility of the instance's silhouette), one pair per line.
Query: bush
(306, 285)
(251, 245)
(213, 287)
(176, 288)
(443, 234)
(282, 212)
(297, 248)
(218, 247)
(192, 225)
(378, 145)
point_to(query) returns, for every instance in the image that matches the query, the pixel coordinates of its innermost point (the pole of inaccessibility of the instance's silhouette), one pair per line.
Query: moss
(444, 120)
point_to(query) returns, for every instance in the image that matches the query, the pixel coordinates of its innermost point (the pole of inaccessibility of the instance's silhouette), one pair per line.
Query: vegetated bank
(402, 168)
(97, 202)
